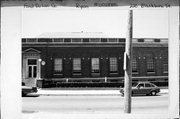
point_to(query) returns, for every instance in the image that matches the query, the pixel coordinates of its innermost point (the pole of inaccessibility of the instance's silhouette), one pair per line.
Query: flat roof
(81, 34)
(72, 35)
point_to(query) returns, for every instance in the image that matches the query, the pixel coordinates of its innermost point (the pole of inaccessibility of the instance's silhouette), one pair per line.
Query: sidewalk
(88, 115)
(45, 115)
(84, 92)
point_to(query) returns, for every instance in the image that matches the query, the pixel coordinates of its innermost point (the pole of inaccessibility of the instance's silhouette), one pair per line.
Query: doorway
(32, 68)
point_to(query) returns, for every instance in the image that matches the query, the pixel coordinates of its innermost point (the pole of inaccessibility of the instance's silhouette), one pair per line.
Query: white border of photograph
(11, 105)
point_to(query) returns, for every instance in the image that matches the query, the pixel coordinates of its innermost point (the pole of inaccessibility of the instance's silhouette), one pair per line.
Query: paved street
(94, 104)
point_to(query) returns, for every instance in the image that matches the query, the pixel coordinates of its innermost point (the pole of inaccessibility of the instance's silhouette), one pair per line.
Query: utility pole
(127, 65)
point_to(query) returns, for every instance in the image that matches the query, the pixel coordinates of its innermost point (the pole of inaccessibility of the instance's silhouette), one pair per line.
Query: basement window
(157, 40)
(140, 40)
(59, 40)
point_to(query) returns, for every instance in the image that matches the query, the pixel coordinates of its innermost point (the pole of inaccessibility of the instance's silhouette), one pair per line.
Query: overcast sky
(112, 22)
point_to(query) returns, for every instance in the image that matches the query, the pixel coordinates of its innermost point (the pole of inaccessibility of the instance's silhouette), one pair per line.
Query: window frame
(96, 65)
(75, 65)
(32, 71)
(113, 63)
(135, 65)
(165, 64)
(60, 65)
(76, 40)
(165, 67)
(148, 84)
(150, 64)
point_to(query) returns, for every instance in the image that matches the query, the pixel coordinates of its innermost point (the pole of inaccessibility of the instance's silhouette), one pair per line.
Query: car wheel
(153, 93)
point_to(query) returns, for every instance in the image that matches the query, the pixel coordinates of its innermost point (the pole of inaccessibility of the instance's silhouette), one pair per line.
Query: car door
(148, 88)
(140, 88)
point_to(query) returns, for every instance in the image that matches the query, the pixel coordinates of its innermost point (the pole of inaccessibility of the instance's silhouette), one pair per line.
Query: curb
(84, 94)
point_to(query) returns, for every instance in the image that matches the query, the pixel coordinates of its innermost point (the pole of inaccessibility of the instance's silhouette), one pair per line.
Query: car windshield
(134, 84)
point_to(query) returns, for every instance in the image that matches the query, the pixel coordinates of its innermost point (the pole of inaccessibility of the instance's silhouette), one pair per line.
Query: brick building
(80, 56)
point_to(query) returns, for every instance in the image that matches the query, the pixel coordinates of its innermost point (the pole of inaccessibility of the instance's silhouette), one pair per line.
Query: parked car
(143, 88)
(26, 89)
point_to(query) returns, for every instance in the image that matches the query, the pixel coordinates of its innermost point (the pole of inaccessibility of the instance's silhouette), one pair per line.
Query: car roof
(145, 82)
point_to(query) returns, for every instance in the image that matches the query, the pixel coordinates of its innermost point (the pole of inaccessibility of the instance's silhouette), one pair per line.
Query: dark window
(44, 40)
(67, 40)
(58, 40)
(23, 84)
(32, 61)
(31, 40)
(157, 40)
(76, 40)
(141, 85)
(112, 40)
(103, 39)
(140, 40)
(134, 84)
(94, 40)
(147, 85)
(122, 40)
(85, 40)
(152, 85)
(23, 40)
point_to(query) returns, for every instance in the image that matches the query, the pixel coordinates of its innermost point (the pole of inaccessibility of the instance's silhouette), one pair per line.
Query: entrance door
(32, 68)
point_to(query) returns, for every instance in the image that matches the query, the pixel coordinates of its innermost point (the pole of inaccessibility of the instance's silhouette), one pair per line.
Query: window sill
(95, 74)
(113, 72)
(60, 74)
(165, 72)
(77, 74)
(150, 72)
(135, 73)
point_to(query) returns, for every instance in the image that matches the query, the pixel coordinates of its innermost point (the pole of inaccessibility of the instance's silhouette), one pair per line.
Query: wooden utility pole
(127, 65)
